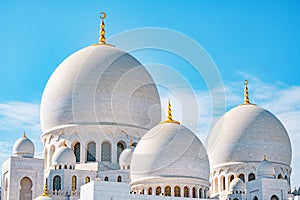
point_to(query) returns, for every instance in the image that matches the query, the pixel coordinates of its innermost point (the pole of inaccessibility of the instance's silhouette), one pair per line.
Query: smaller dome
(265, 169)
(125, 158)
(237, 185)
(64, 156)
(23, 147)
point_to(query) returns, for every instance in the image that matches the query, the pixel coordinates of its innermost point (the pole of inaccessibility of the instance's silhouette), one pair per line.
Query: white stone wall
(16, 168)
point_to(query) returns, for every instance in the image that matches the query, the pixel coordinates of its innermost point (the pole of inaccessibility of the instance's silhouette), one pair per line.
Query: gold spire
(130, 143)
(102, 39)
(63, 144)
(246, 100)
(24, 135)
(265, 157)
(246, 94)
(170, 119)
(45, 193)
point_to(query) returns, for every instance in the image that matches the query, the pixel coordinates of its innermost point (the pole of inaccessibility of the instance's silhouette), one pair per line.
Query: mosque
(103, 138)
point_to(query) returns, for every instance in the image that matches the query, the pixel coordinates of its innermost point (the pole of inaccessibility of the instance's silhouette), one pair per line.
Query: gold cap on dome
(45, 193)
(170, 119)
(63, 144)
(246, 94)
(265, 157)
(130, 143)
(24, 135)
(102, 39)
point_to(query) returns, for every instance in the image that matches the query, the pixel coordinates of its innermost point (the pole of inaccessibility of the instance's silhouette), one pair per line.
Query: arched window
(242, 177)
(105, 152)
(235, 199)
(66, 167)
(222, 183)
(74, 183)
(280, 176)
(177, 191)
(216, 185)
(158, 191)
(285, 177)
(51, 152)
(119, 179)
(56, 183)
(255, 198)
(26, 192)
(77, 152)
(200, 193)
(120, 148)
(167, 191)
(251, 177)
(105, 178)
(87, 179)
(142, 191)
(204, 194)
(186, 191)
(274, 197)
(150, 191)
(91, 152)
(230, 178)
(194, 192)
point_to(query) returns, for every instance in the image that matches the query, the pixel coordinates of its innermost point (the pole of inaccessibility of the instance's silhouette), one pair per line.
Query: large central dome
(100, 85)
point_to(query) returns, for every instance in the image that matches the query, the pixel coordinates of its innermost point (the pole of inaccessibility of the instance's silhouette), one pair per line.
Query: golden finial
(170, 119)
(45, 194)
(246, 94)
(246, 100)
(265, 157)
(24, 135)
(63, 144)
(102, 39)
(130, 143)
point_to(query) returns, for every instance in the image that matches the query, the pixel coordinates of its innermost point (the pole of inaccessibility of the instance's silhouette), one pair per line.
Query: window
(87, 179)
(134, 144)
(255, 198)
(167, 191)
(105, 178)
(194, 192)
(120, 148)
(150, 191)
(200, 193)
(91, 152)
(74, 183)
(242, 177)
(56, 183)
(26, 189)
(105, 152)
(177, 191)
(186, 191)
(223, 183)
(280, 176)
(77, 152)
(119, 179)
(274, 197)
(251, 177)
(216, 185)
(158, 191)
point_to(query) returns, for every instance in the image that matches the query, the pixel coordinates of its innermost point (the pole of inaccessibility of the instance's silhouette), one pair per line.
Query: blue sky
(257, 40)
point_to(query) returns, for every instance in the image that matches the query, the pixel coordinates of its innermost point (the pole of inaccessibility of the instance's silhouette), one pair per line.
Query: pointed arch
(121, 145)
(106, 152)
(56, 183)
(186, 191)
(76, 150)
(26, 189)
(167, 191)
(74, 183)
(91, 152)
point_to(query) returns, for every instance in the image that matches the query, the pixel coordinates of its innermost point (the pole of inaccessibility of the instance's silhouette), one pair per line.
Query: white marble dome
(169, 150)
(23, 147)
(63, 156)
(265, 169)
(237, 185)
(125, 158)
(100, 85)
(247, 133)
